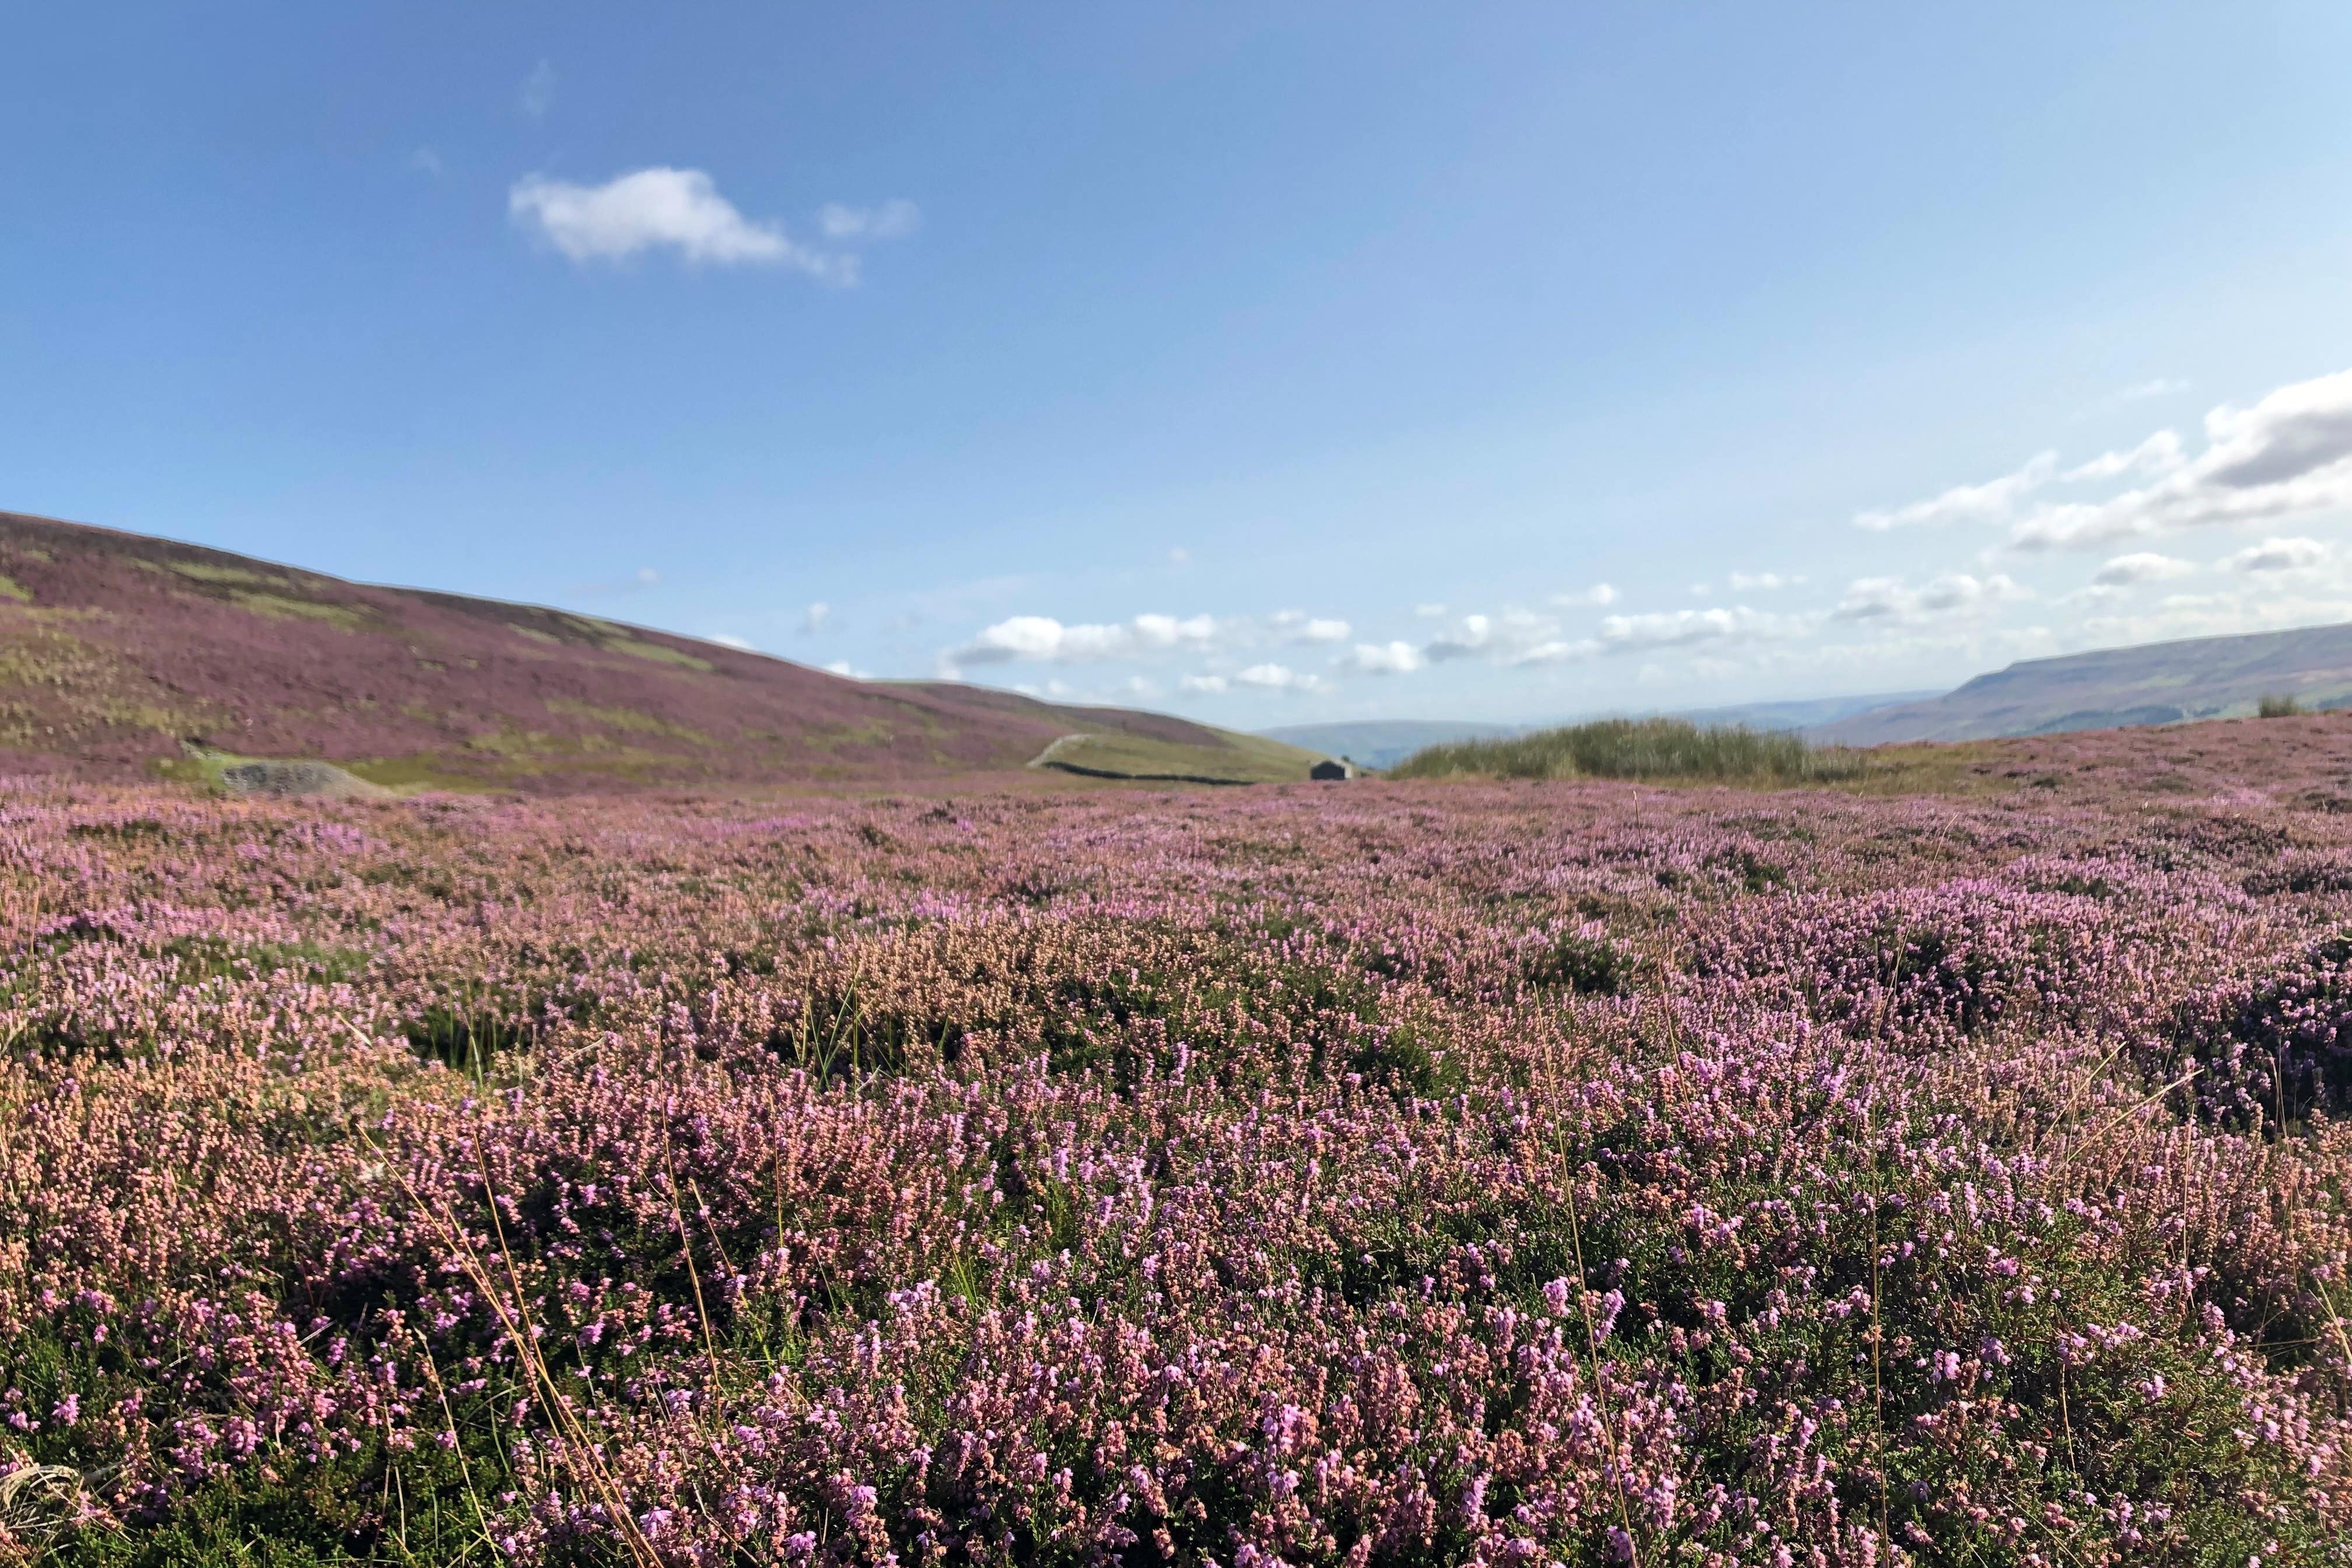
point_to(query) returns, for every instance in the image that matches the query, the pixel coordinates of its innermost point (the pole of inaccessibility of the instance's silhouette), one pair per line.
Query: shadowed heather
(1396, 1173)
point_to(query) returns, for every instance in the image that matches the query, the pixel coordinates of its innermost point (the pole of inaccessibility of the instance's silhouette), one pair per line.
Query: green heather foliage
(2278, 705)
(1639, 749)
(1391, 1176)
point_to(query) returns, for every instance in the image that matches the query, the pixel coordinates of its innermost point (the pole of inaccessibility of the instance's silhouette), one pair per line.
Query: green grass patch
(277, 606)
(1663, 748)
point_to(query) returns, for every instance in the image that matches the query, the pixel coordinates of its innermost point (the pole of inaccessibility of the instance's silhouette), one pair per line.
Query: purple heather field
(1375, 1173)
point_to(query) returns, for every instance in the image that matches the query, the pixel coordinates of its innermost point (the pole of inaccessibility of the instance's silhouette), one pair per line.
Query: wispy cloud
(425, 161)
(536, 94)
(894, 219)
(815, 618)
(1987, 502)
(1598, 595)
(2159, 453)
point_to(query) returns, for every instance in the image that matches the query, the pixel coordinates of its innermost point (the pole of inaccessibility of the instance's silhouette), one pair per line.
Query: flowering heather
(1380, 1174)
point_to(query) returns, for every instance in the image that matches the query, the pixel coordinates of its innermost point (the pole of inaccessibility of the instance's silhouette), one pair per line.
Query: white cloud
(2160, 387)
(2142, 566)
(1477, 634)
(647, 576)
(1888, 600)
(1686, 628)
(537, 95)
(1599, 594)
(1205, 685)
(1429, 612)
(678, 209)
(1987, 502)
(1180, 557)
(1385, 659)
(841, 666)
(1558, 650)
(2286, 458)
(814, 619)
(1279, 677)
(893, 219)
(2277, 555)
(1167, 631)
(1299, 626)
(727, 639)
(425, 161)
(1764, 582)
(1043, 640)
(2159, 453)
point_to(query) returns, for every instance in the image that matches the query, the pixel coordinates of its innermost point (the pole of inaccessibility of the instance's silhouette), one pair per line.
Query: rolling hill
(2156, 683)
(124, 656)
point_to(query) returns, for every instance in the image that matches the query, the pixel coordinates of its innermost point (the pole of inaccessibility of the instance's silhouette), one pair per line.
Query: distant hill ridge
(2153, 683)
(118, 651)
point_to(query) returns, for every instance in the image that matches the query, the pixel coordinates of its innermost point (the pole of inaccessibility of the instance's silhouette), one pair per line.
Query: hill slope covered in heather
(118, 651)
(2155, 683)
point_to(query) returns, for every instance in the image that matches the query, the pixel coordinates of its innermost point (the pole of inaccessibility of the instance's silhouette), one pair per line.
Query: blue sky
(1267, 363)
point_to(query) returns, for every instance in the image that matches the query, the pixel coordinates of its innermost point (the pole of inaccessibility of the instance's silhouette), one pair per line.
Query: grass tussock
(1665, 749)
(2278, 705)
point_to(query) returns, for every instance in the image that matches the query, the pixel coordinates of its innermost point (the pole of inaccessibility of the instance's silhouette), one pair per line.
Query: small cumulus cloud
(2141, 566)
(2278, 555)
(1890, 600)
(1429, 612)
(661, 208)
(1201, 685)
(1764, 582)
(1598, 596)
(1180, 557)
(425, 161)
(815, 618)
(841, 666)
(727, 639)
(1279, 677)
(2140, 391)
(1385, 659)
(1042, 639)
(1298, 626)
(1692, 628)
